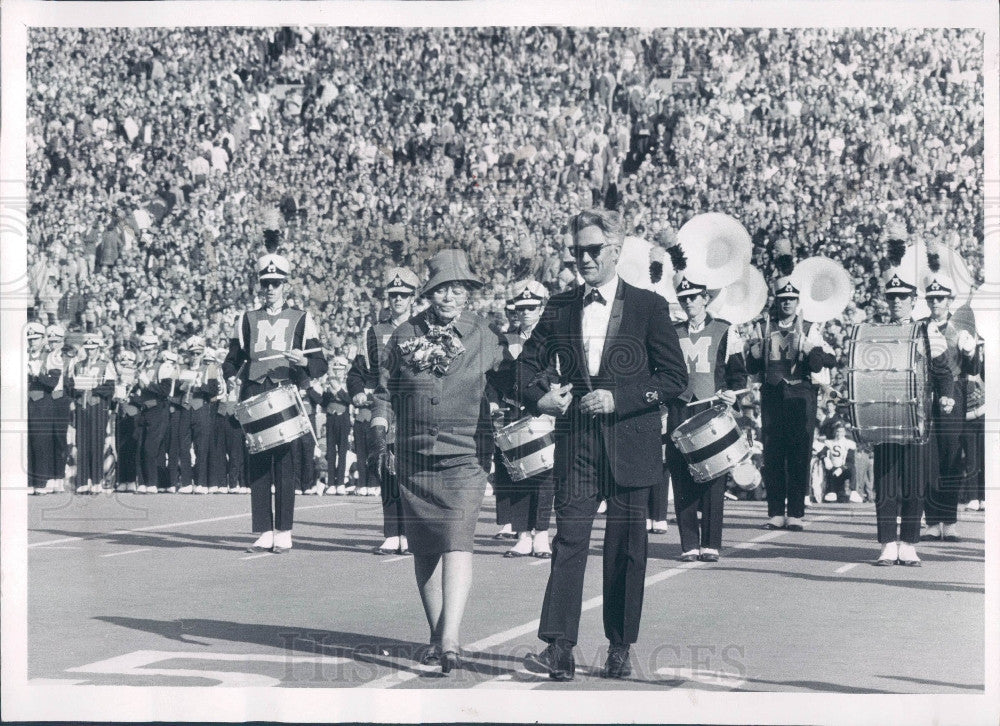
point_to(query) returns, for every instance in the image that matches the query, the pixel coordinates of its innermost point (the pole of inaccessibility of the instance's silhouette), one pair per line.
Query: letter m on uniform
(696, 354)
(271, 335)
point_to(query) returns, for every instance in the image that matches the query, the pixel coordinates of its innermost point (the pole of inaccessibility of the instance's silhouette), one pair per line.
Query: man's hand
(378, 456)
(556, 400)
(598, 402)
(966, 343)
(726, 396)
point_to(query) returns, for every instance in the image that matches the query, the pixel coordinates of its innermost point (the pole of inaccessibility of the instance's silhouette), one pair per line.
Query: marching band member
(58, 428)
(91, 384)
(229, 451)
(941, 503)
(311, 395)
(790, 352)
(127, 409)
(362, 380)
(337, 404)
(176, 385)
(41, 381)
(713, 351)
(285, 332)
(974, 434)
(527, 504)
(199, 391)
(154, 417)
(903, 472)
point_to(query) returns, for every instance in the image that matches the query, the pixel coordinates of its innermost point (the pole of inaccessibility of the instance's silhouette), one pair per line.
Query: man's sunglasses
(399, 295)
(267, 284)
(593, 250)
(897, 295)
(526, 308)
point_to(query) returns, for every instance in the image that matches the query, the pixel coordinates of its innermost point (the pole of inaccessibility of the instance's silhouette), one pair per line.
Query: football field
(140, 590)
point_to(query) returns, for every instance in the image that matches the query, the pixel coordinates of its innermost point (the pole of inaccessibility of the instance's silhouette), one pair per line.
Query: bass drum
(889, 394)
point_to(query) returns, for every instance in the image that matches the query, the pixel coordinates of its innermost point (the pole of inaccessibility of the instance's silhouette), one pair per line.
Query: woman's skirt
(441, 497)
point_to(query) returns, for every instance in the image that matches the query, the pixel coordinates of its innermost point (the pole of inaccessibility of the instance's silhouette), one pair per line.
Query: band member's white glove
(966, 342)
(947, 404)
(726, 396)
(597, 402)
(360, 399)
(296, 357)
(556, 400)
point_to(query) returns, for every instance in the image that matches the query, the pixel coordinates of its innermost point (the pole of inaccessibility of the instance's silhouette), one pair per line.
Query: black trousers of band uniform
(941, 500)
(903, 473)
(279, 467)
(58, 431)
(973, 443)
(230, 453)
(307, 462)
(338, 429)
(526, 505)
(392, 504)
(39, 454)
(127, 441)
(625, 549)
(179, 468)
(203, 437)
(691, 497)
(154, 441)
(789, 419)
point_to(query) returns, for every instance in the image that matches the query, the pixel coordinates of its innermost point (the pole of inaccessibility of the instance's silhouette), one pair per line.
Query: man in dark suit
(601, 360)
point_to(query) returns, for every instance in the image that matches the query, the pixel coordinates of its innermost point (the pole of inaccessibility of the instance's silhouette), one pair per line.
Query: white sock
(391, 543)
(890, 551)
(523, 545)
(541, 541)
(283, 538)
(507, 529)
(403, 544)
(907, 552)
(265, 540)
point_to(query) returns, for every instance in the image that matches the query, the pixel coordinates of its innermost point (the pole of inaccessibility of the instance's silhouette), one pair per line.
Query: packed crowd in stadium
(161, 159)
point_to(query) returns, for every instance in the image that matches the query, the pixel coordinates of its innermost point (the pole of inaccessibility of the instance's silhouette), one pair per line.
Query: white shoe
(908, 555)
(856, 498)
(214, 490)
(830, 497)
(188, 489)
(341, 490)
(540, 543)
(283, 540)
(201, 489)
(932, 532)
(796, 524)
(649, 525)
(972, 506)
(265, 541)
(602, 507)
(489, 491)
(85, 489)
(889, 554)
(660, 526)
(775, 523)
(141, 489)
(950, 532)
(808, 503)
(523, 545)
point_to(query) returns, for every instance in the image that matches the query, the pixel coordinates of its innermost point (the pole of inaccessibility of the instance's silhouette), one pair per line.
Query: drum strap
(262, 424)
(528, 448)
(714, 448)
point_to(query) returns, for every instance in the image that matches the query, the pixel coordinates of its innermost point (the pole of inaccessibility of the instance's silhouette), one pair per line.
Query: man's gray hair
(608, 221)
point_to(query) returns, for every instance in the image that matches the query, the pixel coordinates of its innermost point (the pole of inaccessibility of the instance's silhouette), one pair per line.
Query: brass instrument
(718, 249)
(824, 287)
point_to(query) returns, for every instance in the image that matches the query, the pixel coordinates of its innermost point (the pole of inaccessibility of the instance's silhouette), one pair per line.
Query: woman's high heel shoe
(449, 661)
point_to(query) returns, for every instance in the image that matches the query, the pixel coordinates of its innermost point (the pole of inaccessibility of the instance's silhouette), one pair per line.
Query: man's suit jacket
(641, 364)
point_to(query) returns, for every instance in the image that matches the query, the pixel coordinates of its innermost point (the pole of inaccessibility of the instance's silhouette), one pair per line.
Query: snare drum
(527, 446)
(272, 418)
(711, 443)
(888, 385)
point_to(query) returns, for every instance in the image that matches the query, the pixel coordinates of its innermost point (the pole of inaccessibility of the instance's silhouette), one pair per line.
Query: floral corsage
(435, 350)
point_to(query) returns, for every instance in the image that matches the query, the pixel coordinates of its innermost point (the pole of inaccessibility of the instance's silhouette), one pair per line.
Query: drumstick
(282, 355)
(713, 398)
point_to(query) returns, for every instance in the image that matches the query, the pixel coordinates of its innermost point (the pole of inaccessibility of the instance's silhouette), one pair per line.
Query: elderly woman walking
(433, 383)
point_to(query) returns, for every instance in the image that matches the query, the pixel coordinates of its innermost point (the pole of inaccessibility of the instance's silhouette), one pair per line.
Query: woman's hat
(449, 265)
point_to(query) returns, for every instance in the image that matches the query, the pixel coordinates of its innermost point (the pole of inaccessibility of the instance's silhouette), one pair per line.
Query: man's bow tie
(594, 296)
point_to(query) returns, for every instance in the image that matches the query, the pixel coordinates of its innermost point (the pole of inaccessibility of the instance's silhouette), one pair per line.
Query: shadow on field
(839, 553)
(371, 650)
(941, 586)
(925, 682)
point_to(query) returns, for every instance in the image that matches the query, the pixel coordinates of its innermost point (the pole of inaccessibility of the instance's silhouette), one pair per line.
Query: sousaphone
(824, 286)
(741, 301)
(718, 249)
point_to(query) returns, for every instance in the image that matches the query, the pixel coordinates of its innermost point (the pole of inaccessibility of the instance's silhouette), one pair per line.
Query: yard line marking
(717, 679)
(539, 561)
(135, 664)
(254, 557)
(521, 680)
(846, 567)
(400, 677)
(126, 552)
(397, 558)
(54, 682)
(155, 527)
(61, 548)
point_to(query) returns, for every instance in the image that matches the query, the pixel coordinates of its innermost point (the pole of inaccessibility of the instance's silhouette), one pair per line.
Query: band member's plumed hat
(449, 265)
(526, 294)
(273, 267)
(33, 331)
(937, 283)
(895, 280)
(92, 340)
(684, 287)
(400, 279)
(783, 286)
